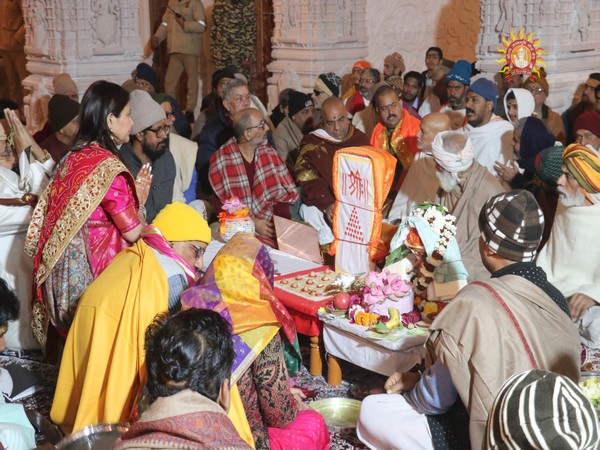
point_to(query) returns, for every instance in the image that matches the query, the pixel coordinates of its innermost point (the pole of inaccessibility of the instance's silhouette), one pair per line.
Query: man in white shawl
(465, 186)
(18, 195)
(420, 183)
(571, 257)
(491, 135)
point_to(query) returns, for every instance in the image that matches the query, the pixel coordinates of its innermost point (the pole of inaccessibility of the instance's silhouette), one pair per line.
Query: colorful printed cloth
(272, 181)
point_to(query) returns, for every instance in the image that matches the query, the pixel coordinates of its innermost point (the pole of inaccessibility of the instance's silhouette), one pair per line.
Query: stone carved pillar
(314, 36)
(569, 29)
(89, 39)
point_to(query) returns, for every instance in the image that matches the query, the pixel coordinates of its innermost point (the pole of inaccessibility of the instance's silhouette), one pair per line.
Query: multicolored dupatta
(239, 285)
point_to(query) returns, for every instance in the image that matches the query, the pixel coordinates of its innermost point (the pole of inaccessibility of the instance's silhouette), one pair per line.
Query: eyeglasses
(199, 251)
(317, 93)
(157, 131)
(261, 125)
(366, 81)
(536, 91)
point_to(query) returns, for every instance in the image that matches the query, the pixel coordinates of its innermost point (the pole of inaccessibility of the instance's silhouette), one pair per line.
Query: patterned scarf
(272, 181)
(76, 190)
(238, 284)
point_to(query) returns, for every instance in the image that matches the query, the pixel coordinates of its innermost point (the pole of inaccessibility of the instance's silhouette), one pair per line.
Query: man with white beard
(570, 257)
(465, 186)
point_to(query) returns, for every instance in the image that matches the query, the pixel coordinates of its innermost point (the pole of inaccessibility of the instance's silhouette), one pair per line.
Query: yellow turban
(584, 165)
(180, 222)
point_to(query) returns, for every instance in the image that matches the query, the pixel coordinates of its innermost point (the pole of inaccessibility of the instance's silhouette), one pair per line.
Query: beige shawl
(478, 343)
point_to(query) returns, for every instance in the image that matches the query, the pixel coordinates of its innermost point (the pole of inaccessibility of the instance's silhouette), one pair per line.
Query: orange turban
(584, 165)
(361, 64)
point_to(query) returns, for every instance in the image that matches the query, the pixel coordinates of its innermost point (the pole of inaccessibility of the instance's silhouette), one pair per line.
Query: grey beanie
(145, 112)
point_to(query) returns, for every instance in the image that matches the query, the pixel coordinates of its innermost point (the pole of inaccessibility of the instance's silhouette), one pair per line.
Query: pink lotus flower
(396, 286)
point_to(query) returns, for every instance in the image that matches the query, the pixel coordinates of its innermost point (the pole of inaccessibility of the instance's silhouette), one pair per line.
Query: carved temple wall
(93, 38)
(86, 38)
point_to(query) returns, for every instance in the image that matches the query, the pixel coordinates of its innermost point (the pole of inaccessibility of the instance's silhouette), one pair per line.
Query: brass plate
(338, 412)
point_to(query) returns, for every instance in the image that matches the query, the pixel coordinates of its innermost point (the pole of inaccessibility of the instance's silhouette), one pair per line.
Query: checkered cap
(539, 409)
(511, 224)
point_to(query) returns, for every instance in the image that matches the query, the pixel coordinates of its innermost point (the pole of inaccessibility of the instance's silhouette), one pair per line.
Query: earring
(110, 129)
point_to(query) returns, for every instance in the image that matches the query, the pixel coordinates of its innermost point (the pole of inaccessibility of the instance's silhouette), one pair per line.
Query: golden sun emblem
(521, 54)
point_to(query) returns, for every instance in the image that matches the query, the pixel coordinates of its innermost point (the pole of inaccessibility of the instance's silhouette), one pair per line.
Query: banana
(394, 321)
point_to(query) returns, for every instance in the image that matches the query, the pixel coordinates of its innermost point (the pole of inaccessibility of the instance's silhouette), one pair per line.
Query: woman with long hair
(89, 212)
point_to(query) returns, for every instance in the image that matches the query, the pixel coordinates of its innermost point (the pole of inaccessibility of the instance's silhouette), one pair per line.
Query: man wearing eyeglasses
(396, 133)
(588, 102)
(365, 118)
(148, 145)
(248, 168)
(369, 77)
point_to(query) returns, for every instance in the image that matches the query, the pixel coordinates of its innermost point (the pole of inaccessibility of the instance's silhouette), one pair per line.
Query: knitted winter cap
(539, 409)
(486, 88)
(511, 224)
(588, 120)
(298, 101)
(461, 72)
(180, 222)
(61, 110)
(332, 81)
(146, 72)
(145, 112)
(548, 163)
(218, 75)
(63, 84)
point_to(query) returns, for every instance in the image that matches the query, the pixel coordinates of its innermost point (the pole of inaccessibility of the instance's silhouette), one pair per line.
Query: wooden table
(304, 312)
(355, 344)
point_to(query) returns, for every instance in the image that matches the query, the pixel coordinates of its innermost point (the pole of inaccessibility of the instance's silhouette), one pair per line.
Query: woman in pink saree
(88, 213)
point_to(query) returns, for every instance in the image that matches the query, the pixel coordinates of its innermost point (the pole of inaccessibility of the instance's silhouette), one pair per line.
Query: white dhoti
(388, 421)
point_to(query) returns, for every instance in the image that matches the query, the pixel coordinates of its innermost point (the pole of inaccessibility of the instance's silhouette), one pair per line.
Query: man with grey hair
(248, 168)
(571, 257)
(217, 131)
(465, 186)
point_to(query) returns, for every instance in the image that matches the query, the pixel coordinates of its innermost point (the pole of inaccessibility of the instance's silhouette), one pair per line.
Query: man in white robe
(491, 135)
(571, 257)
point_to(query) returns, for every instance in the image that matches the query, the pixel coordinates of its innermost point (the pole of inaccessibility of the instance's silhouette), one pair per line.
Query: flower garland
(443, 225)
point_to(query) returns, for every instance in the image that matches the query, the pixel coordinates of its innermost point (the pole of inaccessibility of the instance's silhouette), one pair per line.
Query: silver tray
(94, 437)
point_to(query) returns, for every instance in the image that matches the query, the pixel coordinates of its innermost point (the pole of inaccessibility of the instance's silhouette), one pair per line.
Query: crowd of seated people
(105, 215)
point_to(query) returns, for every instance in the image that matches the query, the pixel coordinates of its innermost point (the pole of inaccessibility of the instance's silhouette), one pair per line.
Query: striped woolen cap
(536, 409)
(511, 224)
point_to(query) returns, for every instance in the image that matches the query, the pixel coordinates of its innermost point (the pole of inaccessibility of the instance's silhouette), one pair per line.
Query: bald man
(420, 183)
(314, 165)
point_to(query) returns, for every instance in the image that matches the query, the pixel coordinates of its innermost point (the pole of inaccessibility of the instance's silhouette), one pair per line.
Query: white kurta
(16, 267)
